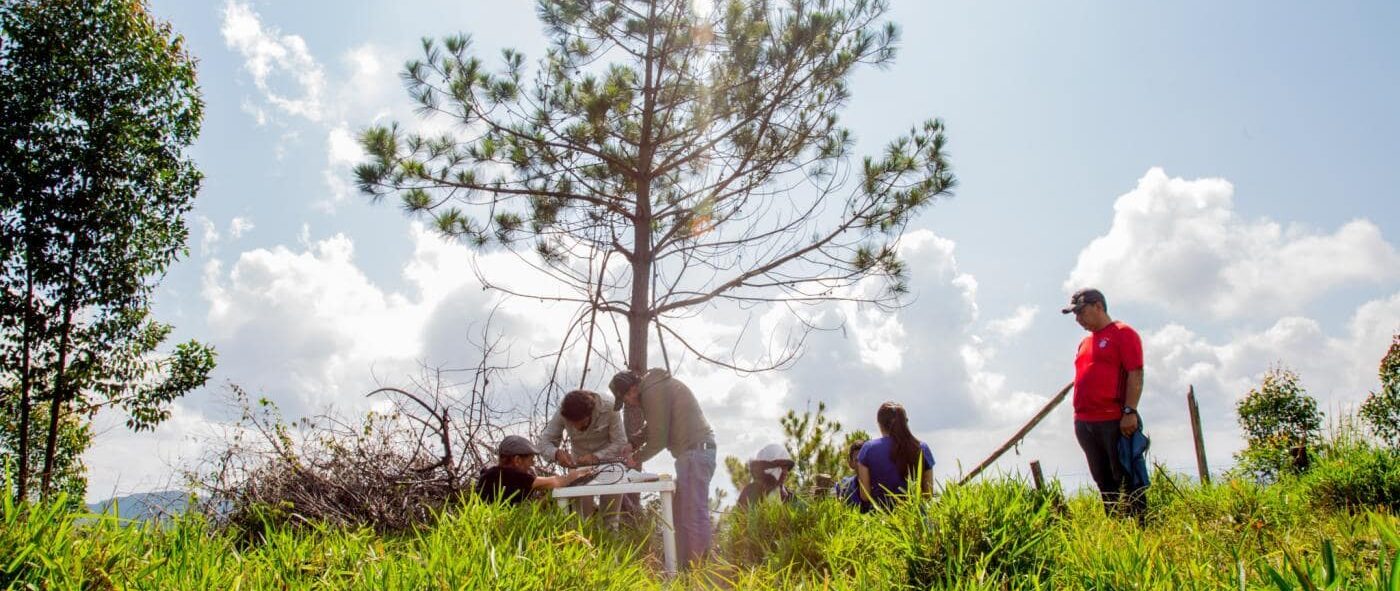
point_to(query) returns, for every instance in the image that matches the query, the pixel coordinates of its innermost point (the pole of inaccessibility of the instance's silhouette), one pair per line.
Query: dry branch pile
(390, 470)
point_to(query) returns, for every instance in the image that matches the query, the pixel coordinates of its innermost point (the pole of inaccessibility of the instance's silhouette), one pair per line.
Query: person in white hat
(768, 472)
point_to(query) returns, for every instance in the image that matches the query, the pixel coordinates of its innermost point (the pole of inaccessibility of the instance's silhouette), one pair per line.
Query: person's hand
(563, 458)
(1128, 424)
(587, 459)
(578, 473)
(630, 460)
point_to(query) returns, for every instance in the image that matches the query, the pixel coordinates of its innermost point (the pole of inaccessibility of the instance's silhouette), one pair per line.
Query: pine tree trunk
(639, 312)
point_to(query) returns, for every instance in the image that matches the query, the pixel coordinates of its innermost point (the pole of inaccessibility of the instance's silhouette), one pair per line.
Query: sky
(1220, 170)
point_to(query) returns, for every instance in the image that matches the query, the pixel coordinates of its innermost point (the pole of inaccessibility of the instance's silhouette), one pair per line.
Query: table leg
(668, 533)
(563, 503)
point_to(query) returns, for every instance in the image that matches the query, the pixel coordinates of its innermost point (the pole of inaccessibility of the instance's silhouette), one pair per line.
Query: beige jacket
(603, 438)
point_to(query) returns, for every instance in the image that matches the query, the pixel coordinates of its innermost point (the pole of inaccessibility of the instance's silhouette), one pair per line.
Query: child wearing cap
(511, 479)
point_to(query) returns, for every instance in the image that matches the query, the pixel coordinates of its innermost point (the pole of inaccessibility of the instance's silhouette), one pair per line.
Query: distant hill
(145, 505)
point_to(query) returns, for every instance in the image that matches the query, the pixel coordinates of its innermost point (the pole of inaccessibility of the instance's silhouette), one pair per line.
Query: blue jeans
(694, 469)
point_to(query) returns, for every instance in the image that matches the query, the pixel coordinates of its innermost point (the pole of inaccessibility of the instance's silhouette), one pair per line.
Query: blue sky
(1246, 146)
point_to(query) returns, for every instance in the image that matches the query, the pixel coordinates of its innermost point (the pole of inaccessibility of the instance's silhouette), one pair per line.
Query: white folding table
(665, 486)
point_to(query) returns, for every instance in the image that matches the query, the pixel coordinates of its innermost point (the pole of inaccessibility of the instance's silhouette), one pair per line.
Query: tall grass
(1329, 529)
(474, 546)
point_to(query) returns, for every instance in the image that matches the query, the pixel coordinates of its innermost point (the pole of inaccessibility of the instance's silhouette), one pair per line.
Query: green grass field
(1329, 529)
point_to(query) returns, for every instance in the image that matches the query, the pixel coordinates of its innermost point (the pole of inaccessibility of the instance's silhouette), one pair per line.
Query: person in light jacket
(596, 436)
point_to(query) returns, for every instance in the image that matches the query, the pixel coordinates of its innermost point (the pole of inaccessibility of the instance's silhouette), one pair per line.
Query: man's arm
(1129, 423)
(551, 438)
(634, 426)
(562, 480)
(1134, 394)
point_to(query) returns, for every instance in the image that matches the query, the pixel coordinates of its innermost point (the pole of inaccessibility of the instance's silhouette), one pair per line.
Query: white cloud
(946, 378)
(372, 83)
(123, 462)
(282, 66)
(1337, 369)
(258, 114)
(1015, 324)
(343, 147)
(308, 323)
(311, 323)
(208, 234)
(1179, 244)
(342, 152)
(239, 226)
(284, 143)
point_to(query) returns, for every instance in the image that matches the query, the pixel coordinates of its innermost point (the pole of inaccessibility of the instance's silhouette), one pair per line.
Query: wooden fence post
(1037, 475)
(1196, 432)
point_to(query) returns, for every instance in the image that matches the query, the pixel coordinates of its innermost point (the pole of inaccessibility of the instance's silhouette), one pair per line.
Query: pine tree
(660, 160)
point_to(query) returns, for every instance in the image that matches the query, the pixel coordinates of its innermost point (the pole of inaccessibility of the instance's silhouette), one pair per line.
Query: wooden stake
(1196, 431)
(1035, 420)
(1037, 475)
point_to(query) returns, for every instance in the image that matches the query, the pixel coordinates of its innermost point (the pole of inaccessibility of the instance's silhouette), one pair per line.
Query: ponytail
(894, 421)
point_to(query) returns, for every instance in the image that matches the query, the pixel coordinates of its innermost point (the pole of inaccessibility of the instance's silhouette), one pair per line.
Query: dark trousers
(1099, 440)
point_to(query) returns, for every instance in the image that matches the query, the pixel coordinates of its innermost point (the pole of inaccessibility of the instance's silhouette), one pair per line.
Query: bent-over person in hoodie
(596, 436)
(673, 421)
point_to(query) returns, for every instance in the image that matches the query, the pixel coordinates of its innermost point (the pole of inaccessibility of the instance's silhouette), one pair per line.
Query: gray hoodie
(603, 438)
(672, 417)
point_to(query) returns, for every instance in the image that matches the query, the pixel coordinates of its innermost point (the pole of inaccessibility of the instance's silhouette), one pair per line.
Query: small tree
(811, 439)
(1280, 421)
(1381, 411)
(738, 471)
(661, 159)
(100, 104)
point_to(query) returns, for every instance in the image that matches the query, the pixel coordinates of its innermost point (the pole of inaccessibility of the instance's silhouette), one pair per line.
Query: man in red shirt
(1107, 387)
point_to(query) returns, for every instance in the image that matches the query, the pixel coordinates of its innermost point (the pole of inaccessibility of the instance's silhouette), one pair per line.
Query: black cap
(515, 445)
(621, 382)
(1083, 298)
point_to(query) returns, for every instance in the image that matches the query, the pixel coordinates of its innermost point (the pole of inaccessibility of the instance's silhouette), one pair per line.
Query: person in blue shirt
(848, 489)
(888, 464)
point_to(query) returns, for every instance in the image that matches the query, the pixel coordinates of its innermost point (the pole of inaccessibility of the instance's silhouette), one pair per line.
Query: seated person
(768, 471)
(888, 464)
(511, 480)
(848, 489)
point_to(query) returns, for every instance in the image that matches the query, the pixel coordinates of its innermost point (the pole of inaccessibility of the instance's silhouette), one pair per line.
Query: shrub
(1381, 411)
(1356, 475)
(987, 533)
(823, 539)
(1279, 421)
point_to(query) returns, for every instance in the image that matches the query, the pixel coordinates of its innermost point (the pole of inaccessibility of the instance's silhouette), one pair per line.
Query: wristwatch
(1128, 410)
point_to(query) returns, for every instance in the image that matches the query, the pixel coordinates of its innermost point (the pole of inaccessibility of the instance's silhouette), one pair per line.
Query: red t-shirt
(1101, 372)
